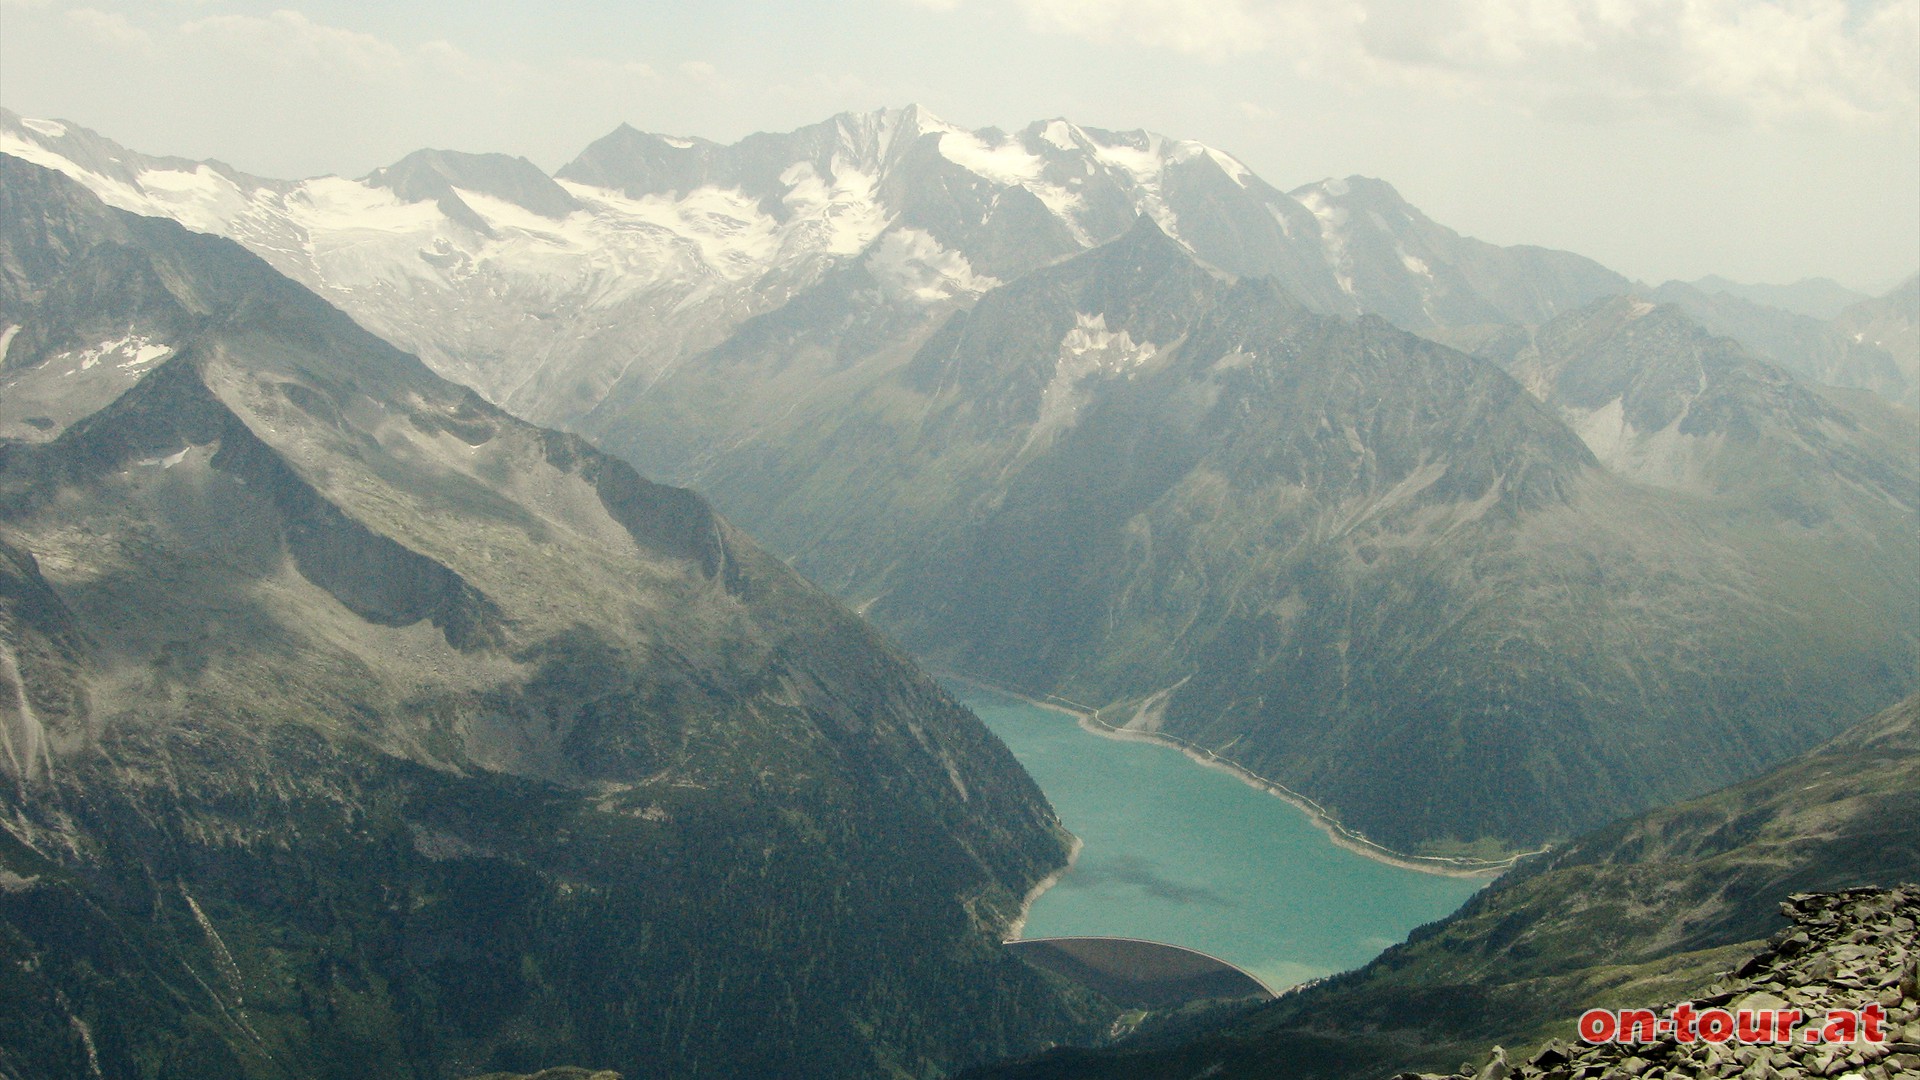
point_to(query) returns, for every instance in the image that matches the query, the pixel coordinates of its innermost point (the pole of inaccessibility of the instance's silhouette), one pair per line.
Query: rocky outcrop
(1849, 950)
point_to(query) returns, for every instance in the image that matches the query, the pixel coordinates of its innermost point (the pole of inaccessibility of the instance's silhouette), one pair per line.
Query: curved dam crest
(1193, 857)
(1142, 974)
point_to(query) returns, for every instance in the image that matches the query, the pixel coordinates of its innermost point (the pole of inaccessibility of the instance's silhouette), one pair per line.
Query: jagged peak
(626, 135)
(1058, 131)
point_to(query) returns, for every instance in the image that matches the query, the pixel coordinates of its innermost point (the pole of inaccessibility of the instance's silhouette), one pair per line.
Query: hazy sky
(1766, 140)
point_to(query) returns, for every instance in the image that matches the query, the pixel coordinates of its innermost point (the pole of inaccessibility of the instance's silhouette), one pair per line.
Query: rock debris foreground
(1846, 950)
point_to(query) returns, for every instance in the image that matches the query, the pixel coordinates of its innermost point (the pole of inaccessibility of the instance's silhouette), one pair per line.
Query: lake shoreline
(1019, 924)
(1342, 837)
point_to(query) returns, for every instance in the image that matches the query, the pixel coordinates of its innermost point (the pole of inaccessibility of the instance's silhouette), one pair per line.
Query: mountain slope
(1648, 909)
(1349, 559)
(350, 727)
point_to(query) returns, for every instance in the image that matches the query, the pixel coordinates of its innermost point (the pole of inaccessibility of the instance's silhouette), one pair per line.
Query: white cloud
(612, 70)
(288, 39)
(109, 28)
(1206, 28)
(1764, 60)
(305, 96)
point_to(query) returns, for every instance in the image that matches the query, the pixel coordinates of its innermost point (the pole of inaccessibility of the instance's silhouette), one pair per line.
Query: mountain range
(353, 724)
(544, 292)
(1473, 546)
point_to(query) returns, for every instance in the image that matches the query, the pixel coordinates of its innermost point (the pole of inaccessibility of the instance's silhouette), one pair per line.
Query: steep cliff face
(354, 728)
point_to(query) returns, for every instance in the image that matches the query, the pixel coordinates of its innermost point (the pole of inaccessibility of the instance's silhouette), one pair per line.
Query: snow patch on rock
(1060, 134)
(911, 264)
(202, 199)
(1231, 166)
(1089, 352)
(1008, 163)
(1333, 235)
(837, 215)
(137, 349)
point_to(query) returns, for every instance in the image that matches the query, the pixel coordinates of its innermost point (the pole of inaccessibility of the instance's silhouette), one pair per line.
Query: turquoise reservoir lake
(1192, 856)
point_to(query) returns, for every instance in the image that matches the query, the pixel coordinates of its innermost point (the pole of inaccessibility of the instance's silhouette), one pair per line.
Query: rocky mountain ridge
(1662, 400)
(1864, 346)
(1816, 298)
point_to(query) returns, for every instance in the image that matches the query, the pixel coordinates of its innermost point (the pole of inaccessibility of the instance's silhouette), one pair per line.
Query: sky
(1763, 140)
